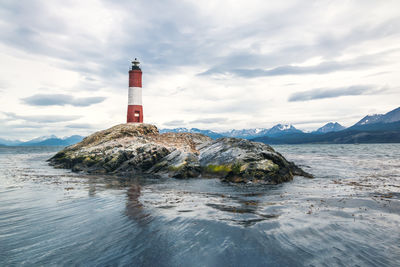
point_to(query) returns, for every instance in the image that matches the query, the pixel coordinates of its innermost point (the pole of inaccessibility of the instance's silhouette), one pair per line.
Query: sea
(348, 215)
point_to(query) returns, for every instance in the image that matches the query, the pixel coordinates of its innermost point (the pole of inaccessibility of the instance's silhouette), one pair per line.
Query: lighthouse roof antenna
(135, 64)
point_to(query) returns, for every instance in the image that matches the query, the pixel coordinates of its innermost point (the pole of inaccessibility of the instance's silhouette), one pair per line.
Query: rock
(131, 149)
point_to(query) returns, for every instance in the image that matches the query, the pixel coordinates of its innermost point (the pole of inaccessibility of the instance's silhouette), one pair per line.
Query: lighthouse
(135, 108)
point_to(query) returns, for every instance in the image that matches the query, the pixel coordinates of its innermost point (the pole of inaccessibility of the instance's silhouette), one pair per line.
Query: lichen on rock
(131, 149)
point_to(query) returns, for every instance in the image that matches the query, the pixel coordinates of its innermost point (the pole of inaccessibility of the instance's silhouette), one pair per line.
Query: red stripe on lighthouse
(135, 78)
(135, 113)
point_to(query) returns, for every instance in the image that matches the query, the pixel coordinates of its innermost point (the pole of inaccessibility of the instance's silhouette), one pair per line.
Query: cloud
(88, 46)
(324, 67)
(168, 34)
(239, 105)
(42, 118)
(79, 126)
(209, 120)
(321, 68)
(174, 123)
(61, 100)
(26, 125)
(335, 92)
(283, 60)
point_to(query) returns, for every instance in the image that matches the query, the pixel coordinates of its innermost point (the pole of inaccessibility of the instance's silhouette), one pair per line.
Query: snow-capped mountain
(391, 116)
(330, 127)
(277, 130)
(369, 119)
(280, 129)
(246, 133)
(209, 133)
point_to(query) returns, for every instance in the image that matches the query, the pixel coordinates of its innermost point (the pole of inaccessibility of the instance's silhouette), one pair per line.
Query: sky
(215, 65)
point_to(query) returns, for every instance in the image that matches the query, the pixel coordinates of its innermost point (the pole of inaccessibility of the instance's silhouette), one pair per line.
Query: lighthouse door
(137, 116)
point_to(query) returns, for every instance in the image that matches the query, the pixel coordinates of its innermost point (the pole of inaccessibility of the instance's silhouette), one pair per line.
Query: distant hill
(282, 129)
(342, 137)
(246, 133)
(38, 140)
(44, 141)
(378, 128)
(54, 141)
(277, 130)
(368, 133)
(389, 117)
(6, 142)
(330, 127)
(369, 119)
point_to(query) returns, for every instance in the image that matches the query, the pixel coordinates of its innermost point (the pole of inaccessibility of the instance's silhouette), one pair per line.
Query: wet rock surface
(132, 149)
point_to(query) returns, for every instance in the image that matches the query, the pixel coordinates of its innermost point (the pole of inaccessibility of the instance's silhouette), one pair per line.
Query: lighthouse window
(137, 114)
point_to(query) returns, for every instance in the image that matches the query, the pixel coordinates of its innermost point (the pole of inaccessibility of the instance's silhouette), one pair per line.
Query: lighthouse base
(135, 113)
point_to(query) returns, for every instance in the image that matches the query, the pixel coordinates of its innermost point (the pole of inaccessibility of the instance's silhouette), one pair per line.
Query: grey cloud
(90, 79)
(243, 106)
(160, 43)
(321, 93)
(61, 100)
(41, 118)
(378, 73)
(174, 123)
(164, 43)
(322, 121)
(210, 120)
(155, 31)
(322, 68)
(26, 125)
(326, 46)
(79, 126)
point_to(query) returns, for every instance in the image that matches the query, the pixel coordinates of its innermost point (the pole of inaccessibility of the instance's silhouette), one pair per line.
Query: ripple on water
(347, 215)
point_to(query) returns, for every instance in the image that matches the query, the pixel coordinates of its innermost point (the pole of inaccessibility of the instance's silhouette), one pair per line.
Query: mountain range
(330, 127)
(377, 128)
(277, 130)
(51, 140)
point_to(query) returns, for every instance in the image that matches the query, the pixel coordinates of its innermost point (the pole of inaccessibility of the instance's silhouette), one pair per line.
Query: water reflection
(134, 208)
(92, 188)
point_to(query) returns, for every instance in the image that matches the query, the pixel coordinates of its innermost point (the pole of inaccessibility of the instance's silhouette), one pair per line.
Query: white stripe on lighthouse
(135, 96)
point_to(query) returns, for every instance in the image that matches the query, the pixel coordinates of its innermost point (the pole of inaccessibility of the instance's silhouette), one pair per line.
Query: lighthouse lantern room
(135, 108)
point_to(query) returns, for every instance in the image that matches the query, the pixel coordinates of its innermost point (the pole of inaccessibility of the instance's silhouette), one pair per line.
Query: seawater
(348, 215)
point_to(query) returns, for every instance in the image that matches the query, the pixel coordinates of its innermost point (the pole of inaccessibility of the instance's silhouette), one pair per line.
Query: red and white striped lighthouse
(135, 108)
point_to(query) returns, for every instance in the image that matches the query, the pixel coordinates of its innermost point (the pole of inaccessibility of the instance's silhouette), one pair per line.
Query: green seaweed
(175, 168)
(218, 169)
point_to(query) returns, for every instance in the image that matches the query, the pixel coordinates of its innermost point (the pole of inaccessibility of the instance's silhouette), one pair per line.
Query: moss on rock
(218, 169)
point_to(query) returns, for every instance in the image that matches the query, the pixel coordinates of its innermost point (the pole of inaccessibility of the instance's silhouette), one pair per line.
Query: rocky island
(139, 149)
